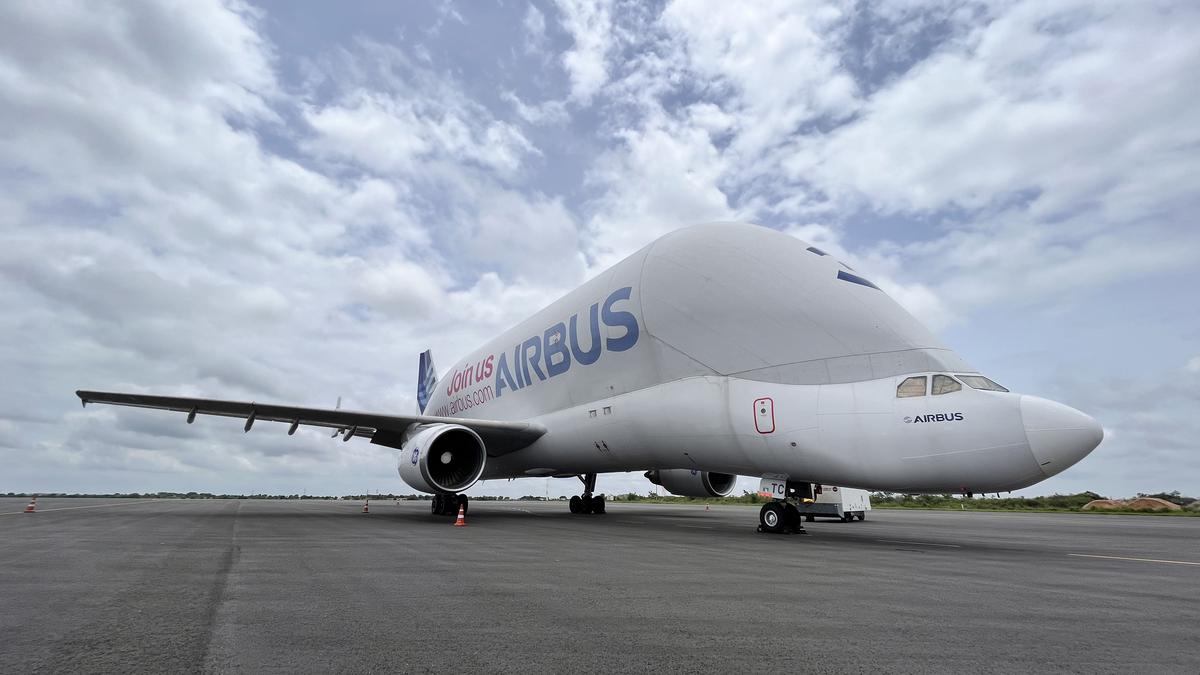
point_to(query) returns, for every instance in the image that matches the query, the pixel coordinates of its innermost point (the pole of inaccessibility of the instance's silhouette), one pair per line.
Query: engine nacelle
(693, 483)
(442, 458)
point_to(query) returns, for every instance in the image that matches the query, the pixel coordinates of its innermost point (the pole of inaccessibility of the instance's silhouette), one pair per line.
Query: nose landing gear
(780, 517)
(587, 502)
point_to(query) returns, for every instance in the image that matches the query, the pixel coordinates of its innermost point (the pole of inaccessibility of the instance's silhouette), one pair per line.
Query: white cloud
(396, 134)
(663, 176)
(589, 23)
(546, 112)
(778, 61)
(534, 25)
(191, 258)
(229, 217)
(1051, 100)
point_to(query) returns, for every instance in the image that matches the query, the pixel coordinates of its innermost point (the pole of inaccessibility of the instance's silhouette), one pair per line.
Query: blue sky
(288, 201)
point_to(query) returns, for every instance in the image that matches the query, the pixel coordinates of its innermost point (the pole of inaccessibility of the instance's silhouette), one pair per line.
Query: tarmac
(318, 586)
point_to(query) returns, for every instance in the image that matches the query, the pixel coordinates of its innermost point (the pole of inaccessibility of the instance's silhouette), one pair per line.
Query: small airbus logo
(416, 455)
(934, 417)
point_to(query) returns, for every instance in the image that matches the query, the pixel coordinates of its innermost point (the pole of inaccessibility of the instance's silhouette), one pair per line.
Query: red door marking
(764, 415)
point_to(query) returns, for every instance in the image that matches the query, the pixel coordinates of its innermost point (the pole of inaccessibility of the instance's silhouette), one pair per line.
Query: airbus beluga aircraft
(716, 351)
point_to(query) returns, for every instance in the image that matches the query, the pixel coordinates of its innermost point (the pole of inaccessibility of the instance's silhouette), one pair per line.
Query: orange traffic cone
(462, 517)
(32, 508)
(365, 507)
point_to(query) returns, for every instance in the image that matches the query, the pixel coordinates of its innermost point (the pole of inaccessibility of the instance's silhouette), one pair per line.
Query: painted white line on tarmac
(1117, 557)
(918, 543)
(72, 508)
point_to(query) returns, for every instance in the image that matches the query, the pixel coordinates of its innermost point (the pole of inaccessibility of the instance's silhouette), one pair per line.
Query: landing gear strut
(447, 505)
(587, 502)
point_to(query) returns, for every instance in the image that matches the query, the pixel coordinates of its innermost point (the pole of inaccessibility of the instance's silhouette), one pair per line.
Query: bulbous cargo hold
(750, 302)
(721, 299)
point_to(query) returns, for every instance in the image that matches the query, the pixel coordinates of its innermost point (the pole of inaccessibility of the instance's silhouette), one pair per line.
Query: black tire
(809, 519)
(598, 504)
(792, 517)
(576, 504)
(435, 505)
(772, 517)
(848, 518)
(862, 515)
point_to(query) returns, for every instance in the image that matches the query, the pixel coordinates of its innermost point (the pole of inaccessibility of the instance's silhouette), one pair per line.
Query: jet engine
(693, 483)
(442, 458)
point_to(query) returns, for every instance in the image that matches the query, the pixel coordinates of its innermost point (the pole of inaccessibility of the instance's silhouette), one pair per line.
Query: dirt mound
(1152, 504)
(1104, 505)
(1139, 504)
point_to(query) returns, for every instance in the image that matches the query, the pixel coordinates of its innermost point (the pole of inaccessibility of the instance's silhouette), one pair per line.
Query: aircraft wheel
(435, 505)
(771, 517)
(576, 504)
(809, 519)
(791, 517)
(598, 504)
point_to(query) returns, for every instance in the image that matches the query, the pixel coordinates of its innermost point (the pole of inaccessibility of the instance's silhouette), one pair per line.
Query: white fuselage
(736, 349)
(855, 434)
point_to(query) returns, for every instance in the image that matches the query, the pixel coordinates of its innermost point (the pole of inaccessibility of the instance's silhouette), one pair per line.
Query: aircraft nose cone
(1059, 435)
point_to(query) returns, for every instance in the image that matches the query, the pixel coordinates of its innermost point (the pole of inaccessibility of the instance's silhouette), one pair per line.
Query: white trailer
(831, 501)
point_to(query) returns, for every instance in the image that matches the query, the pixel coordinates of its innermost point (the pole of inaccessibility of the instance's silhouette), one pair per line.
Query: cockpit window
(912, 386)
(980, 382)
(944, 384)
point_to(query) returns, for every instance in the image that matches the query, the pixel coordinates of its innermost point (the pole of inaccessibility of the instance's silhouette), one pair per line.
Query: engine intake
(442, 458)
(693, 483)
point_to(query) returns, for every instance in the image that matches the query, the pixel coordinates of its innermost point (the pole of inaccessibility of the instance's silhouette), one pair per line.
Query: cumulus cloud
(660, 177)
(589, 23)
(191, 257)
(193, 204)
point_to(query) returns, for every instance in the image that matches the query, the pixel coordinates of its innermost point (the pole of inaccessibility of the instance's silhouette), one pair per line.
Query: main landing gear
(587, 502)
(447, 505)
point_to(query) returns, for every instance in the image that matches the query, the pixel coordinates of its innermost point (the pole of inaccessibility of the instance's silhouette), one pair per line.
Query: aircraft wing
(499, 437)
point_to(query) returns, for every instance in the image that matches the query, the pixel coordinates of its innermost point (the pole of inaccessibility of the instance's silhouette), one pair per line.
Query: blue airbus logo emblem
(560, 345)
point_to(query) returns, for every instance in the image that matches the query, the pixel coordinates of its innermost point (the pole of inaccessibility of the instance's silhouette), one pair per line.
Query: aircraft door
(764, 415)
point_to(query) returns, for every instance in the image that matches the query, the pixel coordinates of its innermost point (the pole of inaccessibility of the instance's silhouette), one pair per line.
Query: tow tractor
(831, 501)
